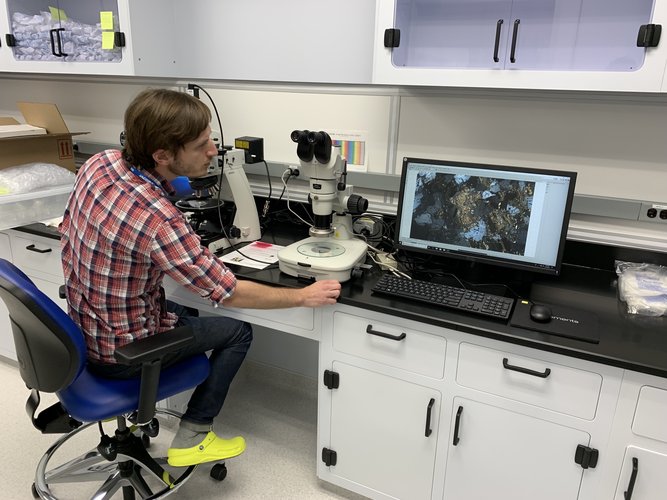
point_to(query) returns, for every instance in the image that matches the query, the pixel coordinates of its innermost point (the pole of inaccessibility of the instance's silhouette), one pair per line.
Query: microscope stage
(322, 258)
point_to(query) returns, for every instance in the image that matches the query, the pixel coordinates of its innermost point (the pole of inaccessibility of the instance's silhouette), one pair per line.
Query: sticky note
(107, 40)
(58, 14)
(106, 20)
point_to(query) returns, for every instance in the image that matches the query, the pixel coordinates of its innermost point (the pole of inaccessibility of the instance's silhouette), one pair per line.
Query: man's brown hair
(161, 119)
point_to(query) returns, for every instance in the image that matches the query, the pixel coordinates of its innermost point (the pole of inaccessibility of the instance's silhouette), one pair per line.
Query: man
(121, 235)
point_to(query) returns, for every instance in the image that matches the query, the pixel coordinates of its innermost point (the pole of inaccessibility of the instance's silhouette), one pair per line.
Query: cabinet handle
(455, 441)
(514, 37)
(33, 248)
(55, 39)
(499, 27)
(429, 408)
(527, 371)
(369, 329)
(633, 478)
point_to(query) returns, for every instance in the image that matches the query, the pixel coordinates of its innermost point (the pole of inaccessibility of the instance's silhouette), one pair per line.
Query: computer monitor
(512, 217)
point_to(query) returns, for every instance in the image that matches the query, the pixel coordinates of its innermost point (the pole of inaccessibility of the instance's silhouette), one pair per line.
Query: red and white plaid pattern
(120, 235)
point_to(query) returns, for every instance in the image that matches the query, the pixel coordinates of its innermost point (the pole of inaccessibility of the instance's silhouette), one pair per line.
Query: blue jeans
(228, 340)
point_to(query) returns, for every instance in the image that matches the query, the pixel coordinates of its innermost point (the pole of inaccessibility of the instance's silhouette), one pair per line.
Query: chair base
(132, 469)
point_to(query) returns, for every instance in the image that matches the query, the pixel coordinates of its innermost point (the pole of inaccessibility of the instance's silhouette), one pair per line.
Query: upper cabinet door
(269, 40)
(450, 33)
(64, 30)
(547, 44)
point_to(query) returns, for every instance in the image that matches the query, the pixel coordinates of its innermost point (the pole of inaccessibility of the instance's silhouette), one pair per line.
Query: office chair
(51, 353)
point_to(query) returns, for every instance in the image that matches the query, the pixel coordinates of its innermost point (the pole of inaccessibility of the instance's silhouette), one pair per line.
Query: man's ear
(162, 157)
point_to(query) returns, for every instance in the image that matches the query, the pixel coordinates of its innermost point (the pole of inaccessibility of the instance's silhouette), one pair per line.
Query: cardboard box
(53, 147)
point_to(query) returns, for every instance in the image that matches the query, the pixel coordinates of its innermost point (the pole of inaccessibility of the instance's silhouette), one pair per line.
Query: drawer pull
(527, 371)
(369, 329)
(455, 441)
(631, 485)
(33, 248)
(429, 408)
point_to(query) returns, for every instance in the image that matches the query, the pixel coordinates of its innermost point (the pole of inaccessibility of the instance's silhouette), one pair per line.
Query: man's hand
(321, 293)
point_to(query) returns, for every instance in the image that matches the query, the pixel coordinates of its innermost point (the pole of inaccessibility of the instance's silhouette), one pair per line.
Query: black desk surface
(633, 342)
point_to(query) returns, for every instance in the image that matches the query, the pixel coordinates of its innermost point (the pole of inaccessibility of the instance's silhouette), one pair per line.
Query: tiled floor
(275, 411)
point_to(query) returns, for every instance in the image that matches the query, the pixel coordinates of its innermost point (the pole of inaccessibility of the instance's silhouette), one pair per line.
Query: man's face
(193, 160)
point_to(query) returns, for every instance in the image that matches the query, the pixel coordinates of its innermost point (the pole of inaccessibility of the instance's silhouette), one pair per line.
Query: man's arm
(256, 296)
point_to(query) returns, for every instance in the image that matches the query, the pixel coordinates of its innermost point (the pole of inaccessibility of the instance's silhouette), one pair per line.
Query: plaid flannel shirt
(120, 235)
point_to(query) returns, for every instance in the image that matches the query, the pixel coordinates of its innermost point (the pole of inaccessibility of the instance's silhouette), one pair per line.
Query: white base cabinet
(39, 258)
(643, 475)
(384, 432)
(496, 453)
(412, 411)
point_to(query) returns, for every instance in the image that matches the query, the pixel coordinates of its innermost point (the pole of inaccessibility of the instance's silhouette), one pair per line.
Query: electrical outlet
(653, 212)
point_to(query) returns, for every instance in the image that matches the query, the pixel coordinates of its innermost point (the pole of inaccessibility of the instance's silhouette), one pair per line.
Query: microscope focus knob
(357, 204)
(234, 232)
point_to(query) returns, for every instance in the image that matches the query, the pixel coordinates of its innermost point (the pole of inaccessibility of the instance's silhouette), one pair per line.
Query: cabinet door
(379, 432)
(287, 41)
(643, 476)
(518, 456)
(451, 33)
(64, 30)
(576, 35)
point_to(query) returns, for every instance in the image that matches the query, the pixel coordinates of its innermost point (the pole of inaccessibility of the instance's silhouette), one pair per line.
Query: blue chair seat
(90, 397)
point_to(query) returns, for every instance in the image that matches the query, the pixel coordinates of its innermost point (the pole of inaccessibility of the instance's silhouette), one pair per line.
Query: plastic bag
(643, 287)
(33, 176)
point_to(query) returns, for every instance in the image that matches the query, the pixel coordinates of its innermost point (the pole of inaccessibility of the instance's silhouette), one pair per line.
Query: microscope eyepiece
(300, 136)
(317, 137)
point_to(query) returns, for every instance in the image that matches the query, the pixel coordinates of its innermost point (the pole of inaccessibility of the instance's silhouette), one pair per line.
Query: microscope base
(322, 258)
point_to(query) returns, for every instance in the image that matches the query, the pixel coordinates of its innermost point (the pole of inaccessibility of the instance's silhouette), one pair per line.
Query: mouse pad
(565, 322)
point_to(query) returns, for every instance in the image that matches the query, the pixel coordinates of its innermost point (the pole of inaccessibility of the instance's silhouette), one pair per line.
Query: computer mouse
(540, 313)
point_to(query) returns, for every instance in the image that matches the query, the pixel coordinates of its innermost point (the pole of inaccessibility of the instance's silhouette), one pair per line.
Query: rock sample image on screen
(475, 212)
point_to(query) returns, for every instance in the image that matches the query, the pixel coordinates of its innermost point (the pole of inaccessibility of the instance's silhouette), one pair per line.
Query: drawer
(651, 414)
(38, 254)
(389, 344)
(540, 383)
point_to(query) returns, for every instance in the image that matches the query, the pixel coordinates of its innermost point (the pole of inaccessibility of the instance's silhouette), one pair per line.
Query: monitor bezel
(494, 261)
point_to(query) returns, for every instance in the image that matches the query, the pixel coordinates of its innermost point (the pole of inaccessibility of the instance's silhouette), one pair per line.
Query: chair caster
(219, 472)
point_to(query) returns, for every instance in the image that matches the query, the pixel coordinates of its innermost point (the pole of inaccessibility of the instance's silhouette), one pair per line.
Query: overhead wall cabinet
(551, 44)
(286, 41)
(114, 37)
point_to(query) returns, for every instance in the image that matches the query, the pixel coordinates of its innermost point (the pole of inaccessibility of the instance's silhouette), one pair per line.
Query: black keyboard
(443, 295)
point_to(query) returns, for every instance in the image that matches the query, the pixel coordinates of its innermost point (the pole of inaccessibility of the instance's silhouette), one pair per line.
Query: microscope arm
(246, 217)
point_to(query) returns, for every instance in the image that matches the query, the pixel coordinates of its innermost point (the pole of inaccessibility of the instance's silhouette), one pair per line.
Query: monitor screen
(508, 216)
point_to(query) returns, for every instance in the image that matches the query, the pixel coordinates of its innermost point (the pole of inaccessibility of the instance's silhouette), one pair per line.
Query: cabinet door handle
(56, 40)
(455, 441)
(33, 248)
(398, 338)
(633, 478)
(52, 34)
(499, 27)
(527, 371)
(514, 37)
(429, 408)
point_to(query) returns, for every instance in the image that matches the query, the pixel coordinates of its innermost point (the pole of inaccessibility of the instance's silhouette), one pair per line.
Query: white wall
(616, 143)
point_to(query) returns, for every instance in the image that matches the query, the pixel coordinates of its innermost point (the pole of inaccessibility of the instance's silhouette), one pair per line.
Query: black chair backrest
(50, 347)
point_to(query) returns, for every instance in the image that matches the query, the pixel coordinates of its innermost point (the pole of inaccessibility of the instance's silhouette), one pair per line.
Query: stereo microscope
(331, 251)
